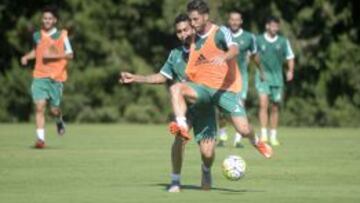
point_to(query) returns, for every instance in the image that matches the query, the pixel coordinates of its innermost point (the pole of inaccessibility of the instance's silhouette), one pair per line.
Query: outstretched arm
(29, 56)
(128, 78)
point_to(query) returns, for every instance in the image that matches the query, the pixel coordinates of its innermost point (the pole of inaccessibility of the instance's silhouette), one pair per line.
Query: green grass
(131, 163)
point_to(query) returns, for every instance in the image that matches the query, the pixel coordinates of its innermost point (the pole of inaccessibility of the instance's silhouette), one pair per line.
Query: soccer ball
(234, 167)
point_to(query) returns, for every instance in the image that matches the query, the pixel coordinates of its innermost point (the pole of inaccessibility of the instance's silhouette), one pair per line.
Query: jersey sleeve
(289, 54)
(167, 68)
(253, 45)
(224, 38)
(36, 38)
(67, 45)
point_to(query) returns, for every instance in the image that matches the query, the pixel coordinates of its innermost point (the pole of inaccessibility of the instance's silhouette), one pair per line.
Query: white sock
(181, 121)
(264, 132)
(238, 137)
(175, 177)
(273, 134)
(40, 133)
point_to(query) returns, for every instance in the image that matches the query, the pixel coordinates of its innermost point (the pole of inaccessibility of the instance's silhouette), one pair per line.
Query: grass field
(131, 163)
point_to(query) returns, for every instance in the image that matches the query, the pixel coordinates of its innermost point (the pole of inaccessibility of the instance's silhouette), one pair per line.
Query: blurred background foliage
(136, 35)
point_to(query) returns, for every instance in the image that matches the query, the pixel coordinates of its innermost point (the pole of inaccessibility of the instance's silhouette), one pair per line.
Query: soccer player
(273, 50)
(247, 46)
(51, 52)
(214, 75)
(202, 117)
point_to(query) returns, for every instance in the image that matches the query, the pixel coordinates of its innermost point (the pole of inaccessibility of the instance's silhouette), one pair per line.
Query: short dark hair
(199, 6)
(272, 19)
(235, 11)
(182, 17)
(51, 9)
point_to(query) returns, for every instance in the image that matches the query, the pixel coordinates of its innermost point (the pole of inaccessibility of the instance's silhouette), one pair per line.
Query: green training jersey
(247, 45)
(273, 52)
(223, 38)
(174, 67)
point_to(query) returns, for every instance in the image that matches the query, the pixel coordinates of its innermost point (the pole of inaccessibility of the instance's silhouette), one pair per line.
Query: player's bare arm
(256, 60)
(128, 78)
(290, 72)
(27, 57)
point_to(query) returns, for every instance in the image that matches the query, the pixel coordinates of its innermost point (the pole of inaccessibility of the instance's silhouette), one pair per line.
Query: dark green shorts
(203, 121)
(230, 103)
(47, 89)
(275, 93)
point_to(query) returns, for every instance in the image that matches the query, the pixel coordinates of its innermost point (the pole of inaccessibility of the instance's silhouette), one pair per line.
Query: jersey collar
(206, 34)
(269, 39)
(185, 49)
(238, 33)
(52, 31)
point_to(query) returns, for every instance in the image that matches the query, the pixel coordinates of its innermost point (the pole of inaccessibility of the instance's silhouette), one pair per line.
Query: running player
(215, 77)
(202, 118)
(247, 49)
(273, 50)
(51, 52)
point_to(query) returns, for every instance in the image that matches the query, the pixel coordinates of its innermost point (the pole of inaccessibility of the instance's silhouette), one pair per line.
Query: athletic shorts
(47, 89)
(203, 121)
(229, 103)
(275, 93)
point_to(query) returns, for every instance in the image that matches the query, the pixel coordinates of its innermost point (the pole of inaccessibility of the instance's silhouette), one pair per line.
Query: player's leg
(207, 150)
(263, 116)
(243, 96)
(276, 97)
(230, 103)
(39, 92)
(181, 93)
(243, 127)
(222, 130)
(177, 153)
(40, 107)
(205, 128)
(55, 92)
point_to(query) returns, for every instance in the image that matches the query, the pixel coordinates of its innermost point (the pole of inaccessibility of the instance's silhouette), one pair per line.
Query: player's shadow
(196, 187)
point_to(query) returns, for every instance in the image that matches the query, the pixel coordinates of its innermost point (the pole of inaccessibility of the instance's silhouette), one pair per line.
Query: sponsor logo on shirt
(201, 60)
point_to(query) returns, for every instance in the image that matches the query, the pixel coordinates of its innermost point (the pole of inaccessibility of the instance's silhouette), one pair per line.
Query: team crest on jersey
(201, 60)
(242, 42)
(263, 47)
(278, 47)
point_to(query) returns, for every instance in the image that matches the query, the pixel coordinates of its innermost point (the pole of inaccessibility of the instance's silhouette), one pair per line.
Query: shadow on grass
(220, 189)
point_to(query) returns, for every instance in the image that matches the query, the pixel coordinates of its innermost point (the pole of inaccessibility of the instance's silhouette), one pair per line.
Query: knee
(55, 111)
(207, 153)
(275, 108)
(264, 105)
(40, 109)
(175, 88)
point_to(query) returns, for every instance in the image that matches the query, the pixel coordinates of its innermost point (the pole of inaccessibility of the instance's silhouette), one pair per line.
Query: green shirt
(54, 34)
(247, 45)
(273, 52)
(174, 67)
(223, 38)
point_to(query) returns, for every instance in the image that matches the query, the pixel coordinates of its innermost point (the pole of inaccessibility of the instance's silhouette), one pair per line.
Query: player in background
(247, 49)
(273, 51)
(214, 75)
(202, 118)
(51, 52)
